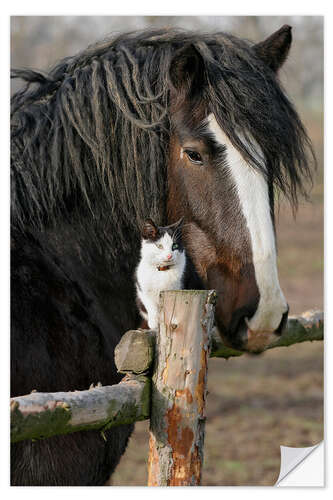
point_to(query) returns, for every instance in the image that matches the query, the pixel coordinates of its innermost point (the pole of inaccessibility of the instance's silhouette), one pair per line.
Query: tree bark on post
(179, 388)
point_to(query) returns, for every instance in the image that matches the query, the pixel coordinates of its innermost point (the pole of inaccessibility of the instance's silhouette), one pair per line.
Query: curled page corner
(296, 469)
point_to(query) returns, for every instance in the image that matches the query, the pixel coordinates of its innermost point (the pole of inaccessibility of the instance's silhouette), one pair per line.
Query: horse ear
(149, 230)
(187, 69)
(274, 50)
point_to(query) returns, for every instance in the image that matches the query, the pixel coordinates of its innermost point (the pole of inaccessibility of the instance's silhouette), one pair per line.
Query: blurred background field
(255, 403)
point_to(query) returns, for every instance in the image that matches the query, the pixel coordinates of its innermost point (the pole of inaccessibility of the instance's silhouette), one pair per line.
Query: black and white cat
(161, 267)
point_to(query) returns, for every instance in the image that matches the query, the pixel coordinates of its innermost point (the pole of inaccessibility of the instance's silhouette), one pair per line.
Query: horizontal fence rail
(308, 326)
(40, 415)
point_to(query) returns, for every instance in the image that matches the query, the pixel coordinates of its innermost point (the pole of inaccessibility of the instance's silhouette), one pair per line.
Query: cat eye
(175, 246)
(159, 246)
(193, 156)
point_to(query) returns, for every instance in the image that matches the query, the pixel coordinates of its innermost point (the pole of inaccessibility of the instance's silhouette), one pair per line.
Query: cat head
(162, 245)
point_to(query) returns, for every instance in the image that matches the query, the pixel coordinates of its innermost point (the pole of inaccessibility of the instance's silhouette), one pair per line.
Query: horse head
(228, 121)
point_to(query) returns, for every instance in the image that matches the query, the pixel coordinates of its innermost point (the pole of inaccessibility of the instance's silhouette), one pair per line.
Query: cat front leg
(153, 322)
(152, 313)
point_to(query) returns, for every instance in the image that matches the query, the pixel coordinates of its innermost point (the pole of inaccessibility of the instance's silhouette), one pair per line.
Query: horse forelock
(96, 128)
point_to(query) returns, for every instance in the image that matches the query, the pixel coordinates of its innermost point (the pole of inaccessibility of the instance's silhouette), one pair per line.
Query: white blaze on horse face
(252, 190)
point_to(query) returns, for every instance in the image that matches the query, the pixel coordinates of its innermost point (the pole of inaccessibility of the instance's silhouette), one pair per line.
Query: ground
(257, 403)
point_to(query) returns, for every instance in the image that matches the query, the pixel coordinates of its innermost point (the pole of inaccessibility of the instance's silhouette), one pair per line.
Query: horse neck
(88, 254)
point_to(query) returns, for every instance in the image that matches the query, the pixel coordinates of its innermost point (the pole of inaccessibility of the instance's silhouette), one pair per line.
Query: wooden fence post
(179, 388)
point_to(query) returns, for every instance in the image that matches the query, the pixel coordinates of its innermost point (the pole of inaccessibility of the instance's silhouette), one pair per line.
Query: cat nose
(169, 256)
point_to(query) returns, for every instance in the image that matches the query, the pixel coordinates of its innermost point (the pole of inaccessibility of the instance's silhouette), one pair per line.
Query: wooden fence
(165, 381)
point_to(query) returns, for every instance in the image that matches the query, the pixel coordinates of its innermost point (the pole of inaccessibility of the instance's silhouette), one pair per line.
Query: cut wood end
(135, 351)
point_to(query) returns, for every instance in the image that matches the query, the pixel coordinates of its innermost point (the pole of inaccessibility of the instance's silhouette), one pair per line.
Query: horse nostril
(283, 323)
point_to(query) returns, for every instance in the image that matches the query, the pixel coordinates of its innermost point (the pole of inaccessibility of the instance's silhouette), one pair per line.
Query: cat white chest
(152, 281)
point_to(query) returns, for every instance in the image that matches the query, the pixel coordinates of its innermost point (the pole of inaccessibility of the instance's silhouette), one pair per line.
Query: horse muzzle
(254, 341)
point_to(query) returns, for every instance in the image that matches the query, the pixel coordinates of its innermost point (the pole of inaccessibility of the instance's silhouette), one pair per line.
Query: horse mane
(94, 131)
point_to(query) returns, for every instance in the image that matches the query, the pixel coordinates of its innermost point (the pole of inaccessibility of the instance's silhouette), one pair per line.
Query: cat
(161, 267)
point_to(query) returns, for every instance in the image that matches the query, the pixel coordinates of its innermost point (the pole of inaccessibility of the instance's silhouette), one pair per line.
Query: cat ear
(149, 230)
(177, 224)
(274, 50)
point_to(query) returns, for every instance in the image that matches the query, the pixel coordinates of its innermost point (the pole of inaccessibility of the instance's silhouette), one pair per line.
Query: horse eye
(193, 156)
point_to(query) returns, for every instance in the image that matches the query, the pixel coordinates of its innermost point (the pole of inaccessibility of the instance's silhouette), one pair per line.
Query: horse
(166, 124)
